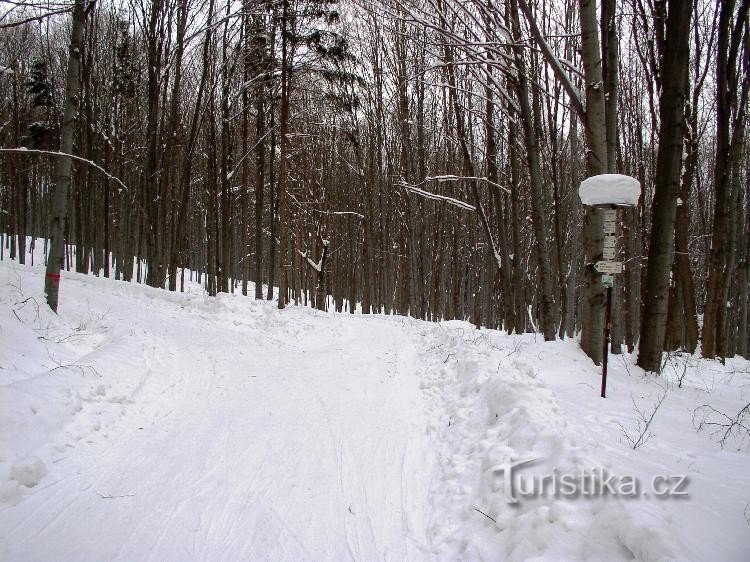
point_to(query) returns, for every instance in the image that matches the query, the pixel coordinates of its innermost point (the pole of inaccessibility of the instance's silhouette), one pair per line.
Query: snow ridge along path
(146, 425)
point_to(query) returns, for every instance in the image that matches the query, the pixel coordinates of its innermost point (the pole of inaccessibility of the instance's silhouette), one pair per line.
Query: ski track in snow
(244, 433)
(164, 426)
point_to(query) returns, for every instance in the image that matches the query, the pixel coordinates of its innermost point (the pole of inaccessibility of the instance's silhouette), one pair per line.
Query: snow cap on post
(610, 190)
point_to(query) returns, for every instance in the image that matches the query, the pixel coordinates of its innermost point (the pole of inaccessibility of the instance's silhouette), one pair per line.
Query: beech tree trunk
(728, 45)
(592, 323)
(284, 226)
(674, 75)
(59, 223)
(547, 317)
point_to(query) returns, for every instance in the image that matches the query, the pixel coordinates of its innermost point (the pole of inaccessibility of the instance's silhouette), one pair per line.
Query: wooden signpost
(609, 192)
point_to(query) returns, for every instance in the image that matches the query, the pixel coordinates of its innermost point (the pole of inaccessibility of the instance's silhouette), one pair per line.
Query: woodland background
(415, 157)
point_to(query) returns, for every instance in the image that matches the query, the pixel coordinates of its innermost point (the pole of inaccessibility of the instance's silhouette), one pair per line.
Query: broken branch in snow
(483, 513)
(721, 424)
(111, 497)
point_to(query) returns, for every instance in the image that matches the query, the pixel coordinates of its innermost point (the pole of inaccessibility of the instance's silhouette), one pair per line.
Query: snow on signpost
(609, 191)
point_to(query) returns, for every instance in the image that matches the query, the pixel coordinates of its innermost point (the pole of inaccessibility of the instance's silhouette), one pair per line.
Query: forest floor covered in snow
(140, 424)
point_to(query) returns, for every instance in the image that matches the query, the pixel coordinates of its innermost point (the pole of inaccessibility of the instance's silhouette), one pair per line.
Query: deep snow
(141, 424)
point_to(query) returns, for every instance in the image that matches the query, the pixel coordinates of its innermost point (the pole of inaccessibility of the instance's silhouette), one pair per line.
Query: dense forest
(417, 157)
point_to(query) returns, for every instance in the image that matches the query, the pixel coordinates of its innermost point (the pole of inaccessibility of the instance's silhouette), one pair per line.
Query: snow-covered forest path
(238, 432)
(140, 424)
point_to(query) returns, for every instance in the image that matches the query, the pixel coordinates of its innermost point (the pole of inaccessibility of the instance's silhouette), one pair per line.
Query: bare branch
(554, 62)
(23, 150)
(35, 18)
(450, 200)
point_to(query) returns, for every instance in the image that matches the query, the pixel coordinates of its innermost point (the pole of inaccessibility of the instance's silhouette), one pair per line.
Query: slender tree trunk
(58, 226)
(151, 180)
(519, 273)
(547, 318)
(260, 158)
(225, 270)
(683, 275)
(714, 318)
(284, 225)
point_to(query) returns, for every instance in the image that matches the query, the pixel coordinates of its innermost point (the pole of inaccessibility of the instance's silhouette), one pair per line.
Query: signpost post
(608, 269)
(610, 192)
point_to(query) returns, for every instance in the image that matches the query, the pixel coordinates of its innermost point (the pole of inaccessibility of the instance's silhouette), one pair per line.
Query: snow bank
(63, 379)
(610, 189)
(500, 411)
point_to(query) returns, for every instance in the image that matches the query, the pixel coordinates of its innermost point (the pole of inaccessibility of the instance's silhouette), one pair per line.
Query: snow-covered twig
(450, 200)
(319, 265)
(451, 177)
(316, 266)
(22, 303)
(462, 205)
(531, 319)
(24, 150)
(359, 215)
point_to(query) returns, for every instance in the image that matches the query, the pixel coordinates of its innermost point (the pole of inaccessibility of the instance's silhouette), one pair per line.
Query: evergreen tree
(40, 90)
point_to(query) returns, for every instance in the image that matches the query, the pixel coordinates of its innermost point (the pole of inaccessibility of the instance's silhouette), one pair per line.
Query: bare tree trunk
(260, 156)
(569, 324)
(683, 275)
(247, 59)
(592, 322)
(225, 270)
(408, 302)
(151, 180)
(610, 54)
(492, 176)
(274, 206)
(58, 226)
(519, 273)
(714, 318)
(674, 75)
(547, 318)
(284, 226)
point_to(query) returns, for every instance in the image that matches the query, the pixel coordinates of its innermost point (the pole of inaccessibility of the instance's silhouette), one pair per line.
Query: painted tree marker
(610, 192)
